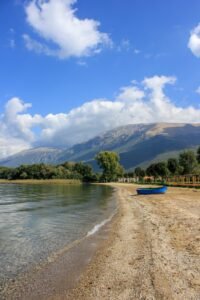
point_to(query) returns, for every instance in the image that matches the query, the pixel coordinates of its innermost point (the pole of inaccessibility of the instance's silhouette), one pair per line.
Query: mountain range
(137, 145)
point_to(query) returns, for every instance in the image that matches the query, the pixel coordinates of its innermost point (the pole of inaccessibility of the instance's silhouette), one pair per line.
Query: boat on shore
(152, 191)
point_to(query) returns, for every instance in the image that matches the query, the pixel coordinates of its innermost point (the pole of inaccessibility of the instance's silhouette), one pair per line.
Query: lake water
(37, 220)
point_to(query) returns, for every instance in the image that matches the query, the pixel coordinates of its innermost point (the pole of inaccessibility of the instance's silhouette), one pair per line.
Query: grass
(41, 181)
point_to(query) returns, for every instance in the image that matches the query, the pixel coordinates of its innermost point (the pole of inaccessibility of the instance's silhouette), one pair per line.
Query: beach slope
(153, 251)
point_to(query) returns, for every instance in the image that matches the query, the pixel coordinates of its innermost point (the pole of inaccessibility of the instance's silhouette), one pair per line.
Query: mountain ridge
(137, 144)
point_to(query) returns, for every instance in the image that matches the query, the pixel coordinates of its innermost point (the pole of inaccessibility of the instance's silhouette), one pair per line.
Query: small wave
(98, 226)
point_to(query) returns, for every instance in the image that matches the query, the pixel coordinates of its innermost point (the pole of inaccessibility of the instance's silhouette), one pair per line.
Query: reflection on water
(36, 220)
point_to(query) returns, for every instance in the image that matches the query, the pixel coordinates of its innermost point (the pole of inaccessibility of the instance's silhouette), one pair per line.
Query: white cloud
(16, 127)
(82, 63)
(143, 102)
(194, 41)
(12, 43)
(198, 90)
(56, 23)
(131, 93)
(137, 51)
(125, 44)
(37, 46)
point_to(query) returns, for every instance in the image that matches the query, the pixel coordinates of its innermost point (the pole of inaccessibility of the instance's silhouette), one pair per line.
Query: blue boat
(151, 191)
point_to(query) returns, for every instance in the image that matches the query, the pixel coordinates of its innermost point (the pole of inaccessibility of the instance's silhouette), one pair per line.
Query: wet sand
(154, 252)
(151, 250)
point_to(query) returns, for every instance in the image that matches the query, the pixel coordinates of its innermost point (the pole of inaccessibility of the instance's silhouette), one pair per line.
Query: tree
(68, 170)
(139, 172)
(151, 170)
(109, 162)
(173, 165)
(129, 175)
(23, 175)
(188, 162)
(158, 170)
(198, 155)
(85, 171)
(5, 173)
(161, 169)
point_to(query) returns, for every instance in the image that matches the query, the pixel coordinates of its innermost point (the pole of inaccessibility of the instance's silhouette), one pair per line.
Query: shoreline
(153, 252)
(149, 250)
(40, 181)
(59, 273)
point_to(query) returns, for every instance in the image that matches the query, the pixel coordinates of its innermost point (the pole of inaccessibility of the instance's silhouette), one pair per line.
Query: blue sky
(61, 55)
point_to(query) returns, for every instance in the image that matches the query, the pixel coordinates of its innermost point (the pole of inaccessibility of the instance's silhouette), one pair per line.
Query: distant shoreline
(41, 181)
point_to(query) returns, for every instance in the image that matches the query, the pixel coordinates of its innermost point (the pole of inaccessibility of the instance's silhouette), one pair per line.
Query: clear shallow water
(37, 220)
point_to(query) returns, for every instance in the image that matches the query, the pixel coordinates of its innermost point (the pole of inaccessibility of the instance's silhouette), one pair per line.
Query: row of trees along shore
(67, 170)
(188, 162)
(107, 161)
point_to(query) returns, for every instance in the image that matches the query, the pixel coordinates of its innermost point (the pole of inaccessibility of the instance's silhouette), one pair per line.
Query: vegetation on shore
(68, 170)
(107, 161)
(188, 162)
(42, 181)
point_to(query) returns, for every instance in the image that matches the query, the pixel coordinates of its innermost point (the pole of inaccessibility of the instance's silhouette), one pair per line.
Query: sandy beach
(151, 250)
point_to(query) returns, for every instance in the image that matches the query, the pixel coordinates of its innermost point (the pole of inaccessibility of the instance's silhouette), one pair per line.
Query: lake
(38, 220)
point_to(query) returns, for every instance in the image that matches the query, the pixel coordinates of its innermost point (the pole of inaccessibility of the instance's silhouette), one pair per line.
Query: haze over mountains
(137, 145)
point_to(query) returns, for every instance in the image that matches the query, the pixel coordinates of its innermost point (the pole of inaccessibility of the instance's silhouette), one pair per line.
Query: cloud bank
(61, 32)
(143, 102)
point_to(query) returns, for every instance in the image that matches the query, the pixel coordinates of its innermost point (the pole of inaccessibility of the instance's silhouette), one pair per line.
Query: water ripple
(36, 220)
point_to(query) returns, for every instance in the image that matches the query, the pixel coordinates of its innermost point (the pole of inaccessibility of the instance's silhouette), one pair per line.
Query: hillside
(32, 156)
(137, 145)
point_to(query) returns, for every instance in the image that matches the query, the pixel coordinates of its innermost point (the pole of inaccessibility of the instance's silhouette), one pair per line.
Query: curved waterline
(45, 221)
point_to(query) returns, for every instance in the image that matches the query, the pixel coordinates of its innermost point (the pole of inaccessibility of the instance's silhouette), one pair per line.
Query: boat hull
(152, 191)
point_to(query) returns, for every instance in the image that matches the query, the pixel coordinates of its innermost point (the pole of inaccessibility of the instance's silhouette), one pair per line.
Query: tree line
(107, 161)
(188, 162)
(66, 170)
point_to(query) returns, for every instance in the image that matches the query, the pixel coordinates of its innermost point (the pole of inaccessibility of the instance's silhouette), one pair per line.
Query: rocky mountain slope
(32, 156)
(137, 145)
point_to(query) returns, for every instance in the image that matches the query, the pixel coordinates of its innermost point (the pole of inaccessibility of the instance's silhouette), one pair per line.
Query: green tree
(109, 162)
(23, 175)
(139, 172)
(68, 165)
(188, 162)
(161, 169)
(85, 171)
(158, 170)
(129, 175)
(151, 170)
(198, 155)
(5, 173)
(173, 166)
(43, 171)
